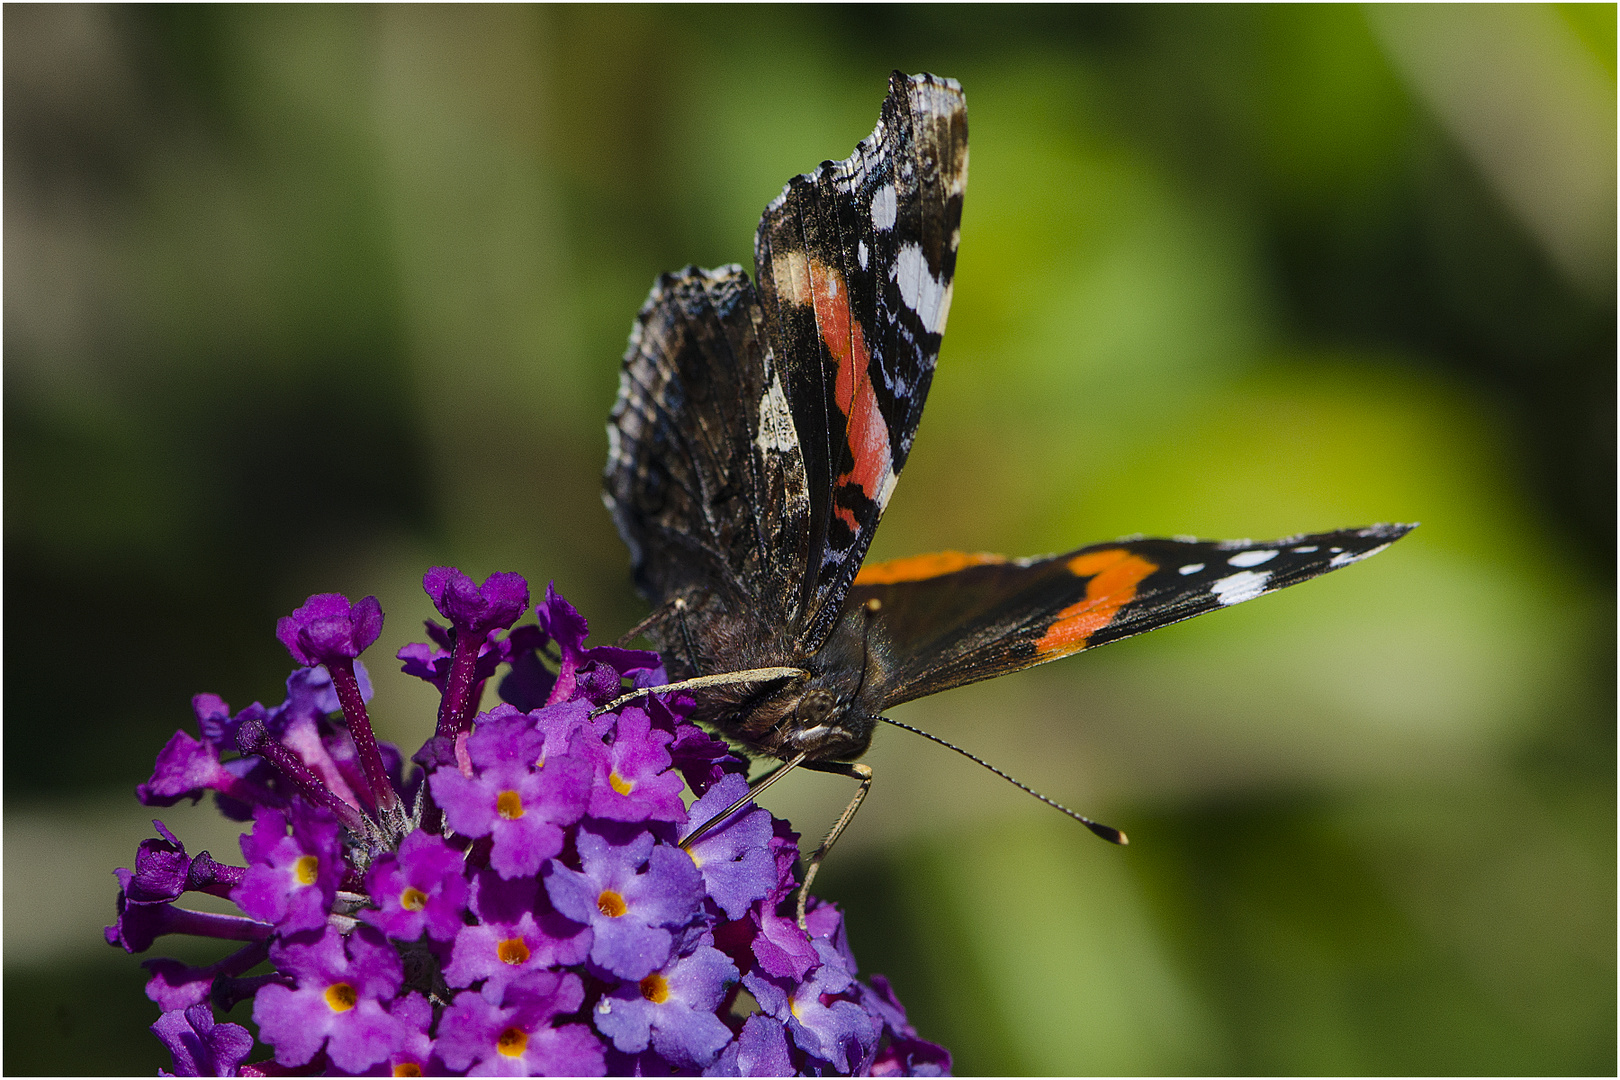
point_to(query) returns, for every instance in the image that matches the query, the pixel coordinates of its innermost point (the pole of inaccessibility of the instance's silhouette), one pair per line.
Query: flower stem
(252, 738)
(383, 795)
(456, 707)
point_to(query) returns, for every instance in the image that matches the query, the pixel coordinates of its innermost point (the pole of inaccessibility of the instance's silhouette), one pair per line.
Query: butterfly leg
(654, 617)
(855, 771)
(659, 614)
(676, 607)
(753, 791)
(686, 635)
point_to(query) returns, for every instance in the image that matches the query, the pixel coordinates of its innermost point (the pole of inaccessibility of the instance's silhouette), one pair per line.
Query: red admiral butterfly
(758, 433)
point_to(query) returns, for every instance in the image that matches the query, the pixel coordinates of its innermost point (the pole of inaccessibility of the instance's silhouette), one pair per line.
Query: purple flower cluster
(520, 903)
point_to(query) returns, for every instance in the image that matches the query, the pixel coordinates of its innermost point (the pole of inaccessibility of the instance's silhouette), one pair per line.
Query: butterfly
(759, 430)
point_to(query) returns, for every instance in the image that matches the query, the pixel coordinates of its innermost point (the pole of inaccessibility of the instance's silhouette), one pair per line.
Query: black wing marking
(950, 619)
(855, 263)
(704, 478)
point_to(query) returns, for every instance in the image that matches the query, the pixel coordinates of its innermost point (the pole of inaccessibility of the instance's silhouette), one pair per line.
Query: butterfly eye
(816, 706)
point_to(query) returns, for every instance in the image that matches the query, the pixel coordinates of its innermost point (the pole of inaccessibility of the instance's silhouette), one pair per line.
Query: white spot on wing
(1307, 549)
(1191, 568)
(776, 431)
(885, 207)
(919, 289)
(1236, 588)
(1347, 557)
(885, 488)
(860, 252)
(1251, 558)
(792, 275)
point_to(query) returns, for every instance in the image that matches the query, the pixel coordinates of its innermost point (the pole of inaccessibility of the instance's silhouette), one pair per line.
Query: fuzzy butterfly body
(761, 427)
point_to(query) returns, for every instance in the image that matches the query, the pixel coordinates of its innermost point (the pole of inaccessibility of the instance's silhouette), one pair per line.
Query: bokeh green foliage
(308, 299)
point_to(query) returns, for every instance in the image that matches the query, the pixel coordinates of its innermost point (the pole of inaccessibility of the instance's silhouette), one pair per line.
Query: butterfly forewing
(950, 619)
(855, 263)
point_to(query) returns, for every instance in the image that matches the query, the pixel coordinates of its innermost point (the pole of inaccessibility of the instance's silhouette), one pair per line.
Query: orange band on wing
(867, 433)
(921, 567)
(1115, 573)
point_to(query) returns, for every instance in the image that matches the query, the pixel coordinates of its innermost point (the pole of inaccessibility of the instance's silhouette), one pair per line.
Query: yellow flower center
(512, 951)
(307, 869)
(509, 804)
(620, 784)
(407, 1068)
(341, 997)
(655, 988)
(611, 904)
(513, 1042)
(412, 899)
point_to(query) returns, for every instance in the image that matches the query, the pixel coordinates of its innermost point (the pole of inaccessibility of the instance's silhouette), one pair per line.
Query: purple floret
(673, 1008)
(328, 627)
(734, 857)
(422, 888)
(516, 1037)
(503, 796)
(634, 781)
(633, 894)
(760, 1049)
(568, 629)
(291, 880)
(837, 1031)
(781, 949)
(185, 768)
(161, 867)
(518, 932)
(139, 925)
(701, 758)
(906, 1054)
(338, 1001)
(477, 609)
(201, 1046)
(415, 1015)
(175, 985)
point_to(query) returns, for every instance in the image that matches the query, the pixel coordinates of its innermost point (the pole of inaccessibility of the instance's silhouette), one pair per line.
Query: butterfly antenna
(1107, 832)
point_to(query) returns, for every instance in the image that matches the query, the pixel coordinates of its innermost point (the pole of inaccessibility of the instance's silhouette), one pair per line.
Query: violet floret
(422, 888)
(200, 1045)
(328, 627)
(633, 894)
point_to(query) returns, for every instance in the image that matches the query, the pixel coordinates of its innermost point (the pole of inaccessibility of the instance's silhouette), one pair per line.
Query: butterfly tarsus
(855, 771)
(1106, 832)
(686, 634)
(676, 606)
(654, 617)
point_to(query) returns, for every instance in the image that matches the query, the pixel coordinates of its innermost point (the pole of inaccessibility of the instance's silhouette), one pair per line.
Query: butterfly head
(825, 725)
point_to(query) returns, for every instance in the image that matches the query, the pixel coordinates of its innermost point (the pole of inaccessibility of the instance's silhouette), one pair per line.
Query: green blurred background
(309, 299)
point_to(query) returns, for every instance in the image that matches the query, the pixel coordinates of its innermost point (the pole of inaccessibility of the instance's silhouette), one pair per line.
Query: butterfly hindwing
(950, 619)
(855, 263)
